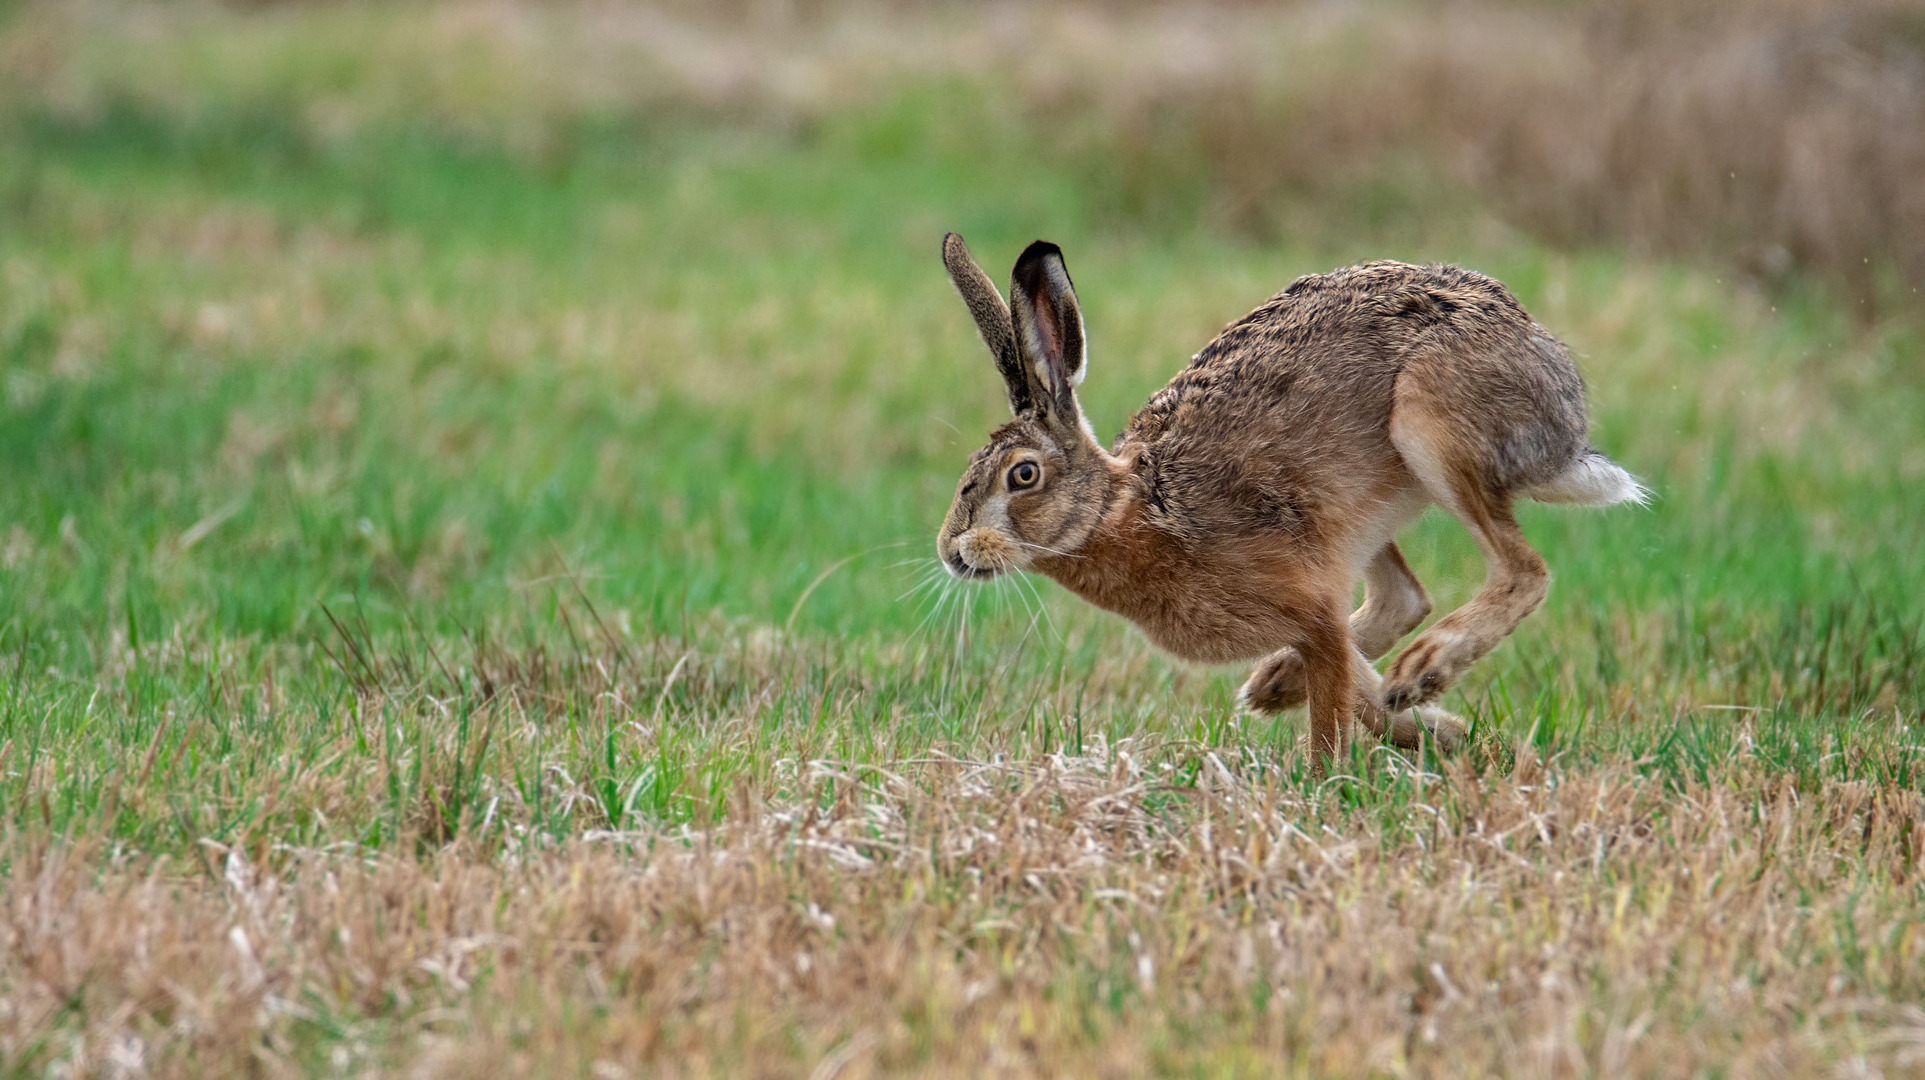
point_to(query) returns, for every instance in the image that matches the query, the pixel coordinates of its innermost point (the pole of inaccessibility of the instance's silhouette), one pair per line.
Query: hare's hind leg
(1515, 577)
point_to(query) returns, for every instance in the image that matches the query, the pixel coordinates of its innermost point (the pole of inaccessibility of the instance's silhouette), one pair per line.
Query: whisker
(952, 602)
(1037, 611)
(1042, 605)
(931, 577)
(1016, 585)
(941, 599)
(962, 632)
(1046, 550)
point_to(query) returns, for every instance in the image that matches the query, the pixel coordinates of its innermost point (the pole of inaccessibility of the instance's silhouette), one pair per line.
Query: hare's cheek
(994, 514)
(1034, 519)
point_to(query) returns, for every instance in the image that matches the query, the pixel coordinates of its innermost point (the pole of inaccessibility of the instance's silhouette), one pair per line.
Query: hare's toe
(1401, 696)
(1426, 669)
(1277, 683)
(1447, 730)
(1408, 729)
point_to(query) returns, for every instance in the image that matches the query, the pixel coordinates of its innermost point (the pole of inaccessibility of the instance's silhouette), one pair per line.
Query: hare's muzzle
(977, 555)
(958, 568)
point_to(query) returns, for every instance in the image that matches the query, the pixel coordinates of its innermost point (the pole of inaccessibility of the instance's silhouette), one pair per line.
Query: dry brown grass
(945, 917)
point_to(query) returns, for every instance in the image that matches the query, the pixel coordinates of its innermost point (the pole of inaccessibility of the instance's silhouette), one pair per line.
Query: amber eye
(1024, 475)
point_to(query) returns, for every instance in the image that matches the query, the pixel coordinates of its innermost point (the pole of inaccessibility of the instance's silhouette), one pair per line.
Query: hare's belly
(1211, 626)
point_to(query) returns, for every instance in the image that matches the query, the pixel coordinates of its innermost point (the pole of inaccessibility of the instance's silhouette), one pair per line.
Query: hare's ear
(1049, 326)
(992, 322)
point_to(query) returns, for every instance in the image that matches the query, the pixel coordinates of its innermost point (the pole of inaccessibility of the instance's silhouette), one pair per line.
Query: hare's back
(1298, 394)
(1325, 352)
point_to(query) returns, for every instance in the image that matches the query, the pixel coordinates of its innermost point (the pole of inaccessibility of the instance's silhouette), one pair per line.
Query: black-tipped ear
(1048, 324)
(992, 322)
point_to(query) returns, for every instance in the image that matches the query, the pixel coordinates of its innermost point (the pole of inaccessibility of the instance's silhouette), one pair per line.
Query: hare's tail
(1591, 480)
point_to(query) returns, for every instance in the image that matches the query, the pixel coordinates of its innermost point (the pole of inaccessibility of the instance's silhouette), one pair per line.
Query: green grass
(681, 374)
(383, 489)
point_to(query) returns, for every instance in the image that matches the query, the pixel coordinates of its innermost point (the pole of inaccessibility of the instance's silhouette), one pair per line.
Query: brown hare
(1232, 518)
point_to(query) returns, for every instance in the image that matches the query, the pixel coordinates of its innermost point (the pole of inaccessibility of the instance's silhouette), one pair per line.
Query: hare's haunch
(1232, 518)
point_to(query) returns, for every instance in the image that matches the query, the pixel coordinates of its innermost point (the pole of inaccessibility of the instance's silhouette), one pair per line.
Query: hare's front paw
(1277, 683)
(1428, 668)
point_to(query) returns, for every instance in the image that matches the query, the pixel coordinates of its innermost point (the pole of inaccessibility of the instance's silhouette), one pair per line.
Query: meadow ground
(468, 482)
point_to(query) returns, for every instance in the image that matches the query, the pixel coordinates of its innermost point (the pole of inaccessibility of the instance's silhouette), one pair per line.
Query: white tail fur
(1592, 480)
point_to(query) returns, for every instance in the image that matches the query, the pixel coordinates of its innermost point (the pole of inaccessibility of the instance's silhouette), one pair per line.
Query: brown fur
(1233, 516)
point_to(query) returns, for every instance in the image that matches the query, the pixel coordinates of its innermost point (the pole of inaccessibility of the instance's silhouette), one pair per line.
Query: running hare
(1233, 516)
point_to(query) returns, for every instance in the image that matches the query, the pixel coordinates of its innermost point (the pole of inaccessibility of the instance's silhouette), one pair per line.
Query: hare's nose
(971, 548)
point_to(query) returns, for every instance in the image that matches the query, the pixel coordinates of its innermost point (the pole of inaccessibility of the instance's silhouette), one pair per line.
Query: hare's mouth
(958, 568)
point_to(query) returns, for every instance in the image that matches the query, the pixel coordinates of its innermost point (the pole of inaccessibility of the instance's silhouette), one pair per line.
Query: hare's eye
(1024, 475)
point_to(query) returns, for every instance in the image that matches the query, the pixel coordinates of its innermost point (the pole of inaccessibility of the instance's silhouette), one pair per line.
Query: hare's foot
(1276, 685)
(1406, 729)
(1447, 730)
(1430, 666)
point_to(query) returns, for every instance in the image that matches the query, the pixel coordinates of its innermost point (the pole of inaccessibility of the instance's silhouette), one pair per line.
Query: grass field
(468, 485)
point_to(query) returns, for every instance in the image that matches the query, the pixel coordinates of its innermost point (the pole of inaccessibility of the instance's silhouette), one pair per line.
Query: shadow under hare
(1232, 518)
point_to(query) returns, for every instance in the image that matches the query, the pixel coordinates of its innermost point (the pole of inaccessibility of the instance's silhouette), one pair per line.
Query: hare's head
(1036, 490)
